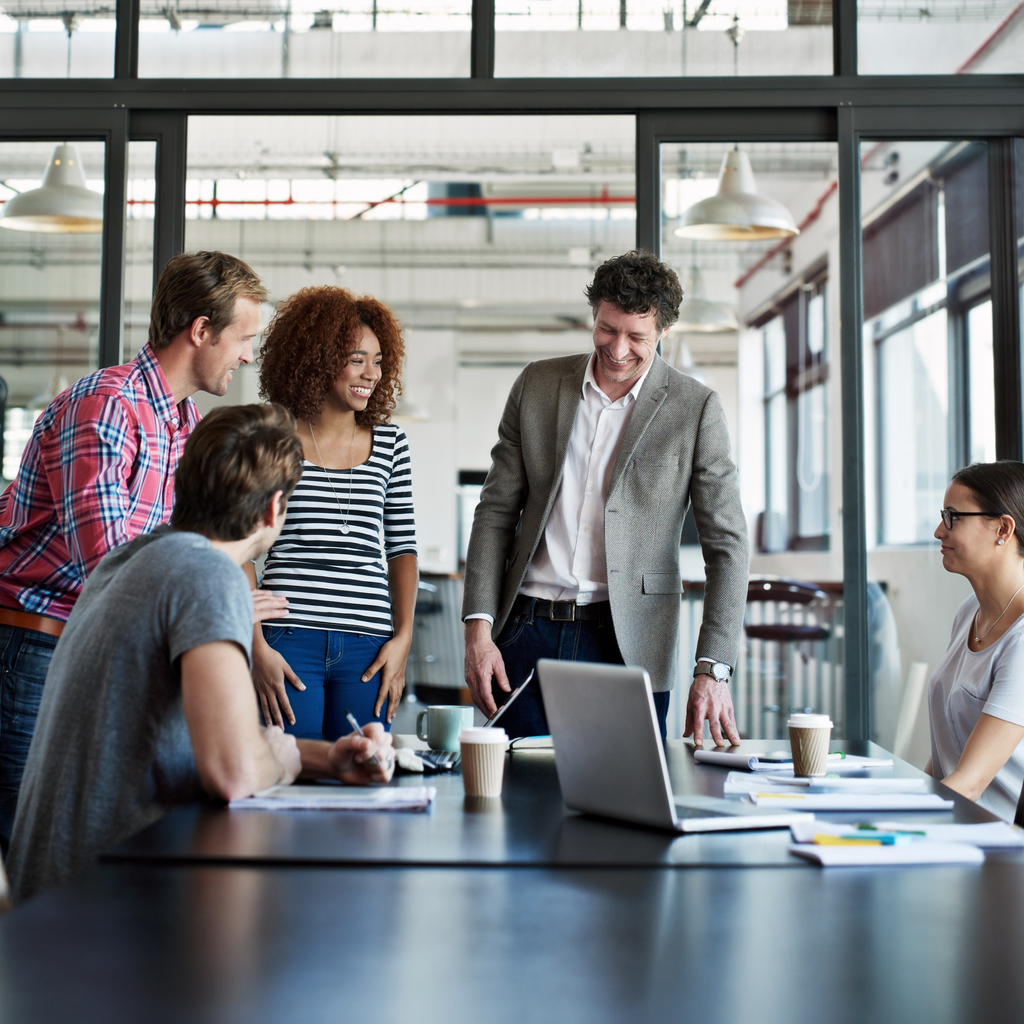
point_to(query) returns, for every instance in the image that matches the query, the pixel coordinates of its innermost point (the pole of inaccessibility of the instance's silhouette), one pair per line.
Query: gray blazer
(675, 450)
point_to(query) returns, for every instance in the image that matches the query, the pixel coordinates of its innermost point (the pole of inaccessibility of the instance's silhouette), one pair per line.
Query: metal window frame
(844, 107)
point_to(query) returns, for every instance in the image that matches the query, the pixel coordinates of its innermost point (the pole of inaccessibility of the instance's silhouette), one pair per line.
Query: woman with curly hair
(334, 361)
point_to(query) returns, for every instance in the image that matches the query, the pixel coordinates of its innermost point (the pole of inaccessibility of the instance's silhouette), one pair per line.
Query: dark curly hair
(638, 282)
(308, 341)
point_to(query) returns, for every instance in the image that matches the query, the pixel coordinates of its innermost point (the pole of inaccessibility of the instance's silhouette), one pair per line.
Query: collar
(628, 398)
(156, 383)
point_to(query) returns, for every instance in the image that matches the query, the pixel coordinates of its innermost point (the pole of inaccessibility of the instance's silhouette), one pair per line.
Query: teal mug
(444, 723)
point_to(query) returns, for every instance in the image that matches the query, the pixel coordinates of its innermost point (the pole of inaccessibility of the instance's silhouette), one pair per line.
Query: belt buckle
(561, 618)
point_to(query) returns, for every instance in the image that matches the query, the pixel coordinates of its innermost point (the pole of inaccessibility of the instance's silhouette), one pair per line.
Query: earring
(1000, 541)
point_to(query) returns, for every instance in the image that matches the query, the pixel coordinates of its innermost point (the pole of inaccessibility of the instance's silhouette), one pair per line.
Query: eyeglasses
(950, 516)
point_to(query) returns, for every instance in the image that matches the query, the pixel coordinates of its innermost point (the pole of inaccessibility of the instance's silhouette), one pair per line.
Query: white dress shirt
(569, 563)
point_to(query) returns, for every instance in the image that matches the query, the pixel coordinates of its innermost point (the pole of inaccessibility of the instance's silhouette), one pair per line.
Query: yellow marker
(824, 839)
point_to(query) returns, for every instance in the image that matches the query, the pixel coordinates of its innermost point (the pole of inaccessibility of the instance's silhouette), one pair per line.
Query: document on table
(878, 856)
(836, 801)
(742, 783)
(338, 798)
(991, 835)
(752, 763)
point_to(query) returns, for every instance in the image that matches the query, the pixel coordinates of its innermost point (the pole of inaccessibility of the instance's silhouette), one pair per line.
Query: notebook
(609, 757)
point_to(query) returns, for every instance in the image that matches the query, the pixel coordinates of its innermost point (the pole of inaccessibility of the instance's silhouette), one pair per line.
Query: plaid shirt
(97, 472)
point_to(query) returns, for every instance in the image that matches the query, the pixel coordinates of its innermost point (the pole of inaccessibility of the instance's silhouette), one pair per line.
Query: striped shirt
(98, 471)
(335, 580)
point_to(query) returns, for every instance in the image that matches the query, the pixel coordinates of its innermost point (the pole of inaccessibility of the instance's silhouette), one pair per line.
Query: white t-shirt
(967, 683)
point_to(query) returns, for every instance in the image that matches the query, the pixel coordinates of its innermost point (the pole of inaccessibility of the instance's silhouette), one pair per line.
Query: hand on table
(711, 701)
(483, 663)
(390, 662)
(269, 672)
(350, 756)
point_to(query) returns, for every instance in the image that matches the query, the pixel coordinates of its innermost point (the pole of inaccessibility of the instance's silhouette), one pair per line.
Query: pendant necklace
(977, 618)
(345, 528)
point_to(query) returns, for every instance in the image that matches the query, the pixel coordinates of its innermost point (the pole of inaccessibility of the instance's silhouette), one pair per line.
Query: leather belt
(26, 620)
(562, 611)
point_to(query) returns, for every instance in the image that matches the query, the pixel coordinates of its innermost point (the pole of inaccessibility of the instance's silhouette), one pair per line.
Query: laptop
(610, 760)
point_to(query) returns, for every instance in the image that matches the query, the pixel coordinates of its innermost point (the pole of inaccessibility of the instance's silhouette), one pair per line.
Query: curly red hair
(308, 341)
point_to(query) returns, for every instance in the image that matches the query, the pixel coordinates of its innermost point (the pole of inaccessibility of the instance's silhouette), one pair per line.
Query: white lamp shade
(63, 203)
(698, 315)
(736, 213)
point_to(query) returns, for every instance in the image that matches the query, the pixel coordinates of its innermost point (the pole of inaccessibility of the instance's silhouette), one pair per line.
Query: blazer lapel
(648, 402)
(570, 390)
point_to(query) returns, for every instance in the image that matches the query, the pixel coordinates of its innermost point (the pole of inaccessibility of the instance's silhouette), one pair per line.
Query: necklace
(977, 618)
(345, 528)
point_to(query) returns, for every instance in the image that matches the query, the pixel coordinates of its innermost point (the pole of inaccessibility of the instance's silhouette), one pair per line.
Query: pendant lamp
(698, 315)
(62, 204)
(736, 213)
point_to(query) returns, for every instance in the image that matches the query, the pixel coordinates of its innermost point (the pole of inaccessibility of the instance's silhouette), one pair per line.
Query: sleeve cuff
(479, 615)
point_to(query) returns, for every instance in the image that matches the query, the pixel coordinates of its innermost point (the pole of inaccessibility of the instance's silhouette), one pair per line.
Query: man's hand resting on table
(711, 701)
(483, 663)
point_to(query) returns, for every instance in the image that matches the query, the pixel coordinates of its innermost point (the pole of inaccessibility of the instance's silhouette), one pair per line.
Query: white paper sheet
(852, 801)
(991, 835)
(339, 798)
(878, 856)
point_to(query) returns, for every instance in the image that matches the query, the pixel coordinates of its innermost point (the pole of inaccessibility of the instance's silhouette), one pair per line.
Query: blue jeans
(524, 640)
(24, 659)
(331, 664)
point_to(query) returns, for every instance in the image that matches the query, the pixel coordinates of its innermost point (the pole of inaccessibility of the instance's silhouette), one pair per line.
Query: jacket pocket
(661, 583)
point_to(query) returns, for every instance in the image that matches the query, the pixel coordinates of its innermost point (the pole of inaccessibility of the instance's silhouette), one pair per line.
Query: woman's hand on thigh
(269, 672)
(390, 662)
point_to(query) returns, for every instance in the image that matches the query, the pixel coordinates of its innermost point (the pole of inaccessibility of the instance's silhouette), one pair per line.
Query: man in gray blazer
(574, 552)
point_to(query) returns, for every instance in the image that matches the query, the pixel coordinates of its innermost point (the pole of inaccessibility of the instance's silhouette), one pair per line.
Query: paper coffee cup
(483, 760)
(809, 736)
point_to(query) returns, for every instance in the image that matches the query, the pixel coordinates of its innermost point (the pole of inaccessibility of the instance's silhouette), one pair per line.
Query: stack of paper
(339, 798)
(754, 763)
(989, 834)
(877, 856)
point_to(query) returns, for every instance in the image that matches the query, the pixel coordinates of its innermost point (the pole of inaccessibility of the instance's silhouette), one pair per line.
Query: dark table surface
(528, 826)
(141, 944)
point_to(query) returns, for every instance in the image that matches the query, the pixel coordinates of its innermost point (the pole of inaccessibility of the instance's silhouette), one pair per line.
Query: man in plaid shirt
(99, 471)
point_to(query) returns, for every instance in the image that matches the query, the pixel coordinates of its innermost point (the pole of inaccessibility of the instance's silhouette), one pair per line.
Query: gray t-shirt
(111, 751)
(965, 685)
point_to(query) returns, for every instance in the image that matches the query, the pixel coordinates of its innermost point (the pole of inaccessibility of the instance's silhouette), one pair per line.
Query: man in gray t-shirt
(149, 702)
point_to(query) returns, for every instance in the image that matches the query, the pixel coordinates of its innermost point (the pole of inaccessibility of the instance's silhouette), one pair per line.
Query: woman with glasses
(976, 696)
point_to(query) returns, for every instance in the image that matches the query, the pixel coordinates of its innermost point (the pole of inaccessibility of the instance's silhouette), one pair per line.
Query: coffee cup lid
(805, 721)
(483, 736)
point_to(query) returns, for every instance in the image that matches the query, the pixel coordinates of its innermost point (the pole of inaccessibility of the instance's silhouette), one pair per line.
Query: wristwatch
(717, 670)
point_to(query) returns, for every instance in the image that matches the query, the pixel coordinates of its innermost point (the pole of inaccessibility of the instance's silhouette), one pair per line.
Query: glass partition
(929, 390)
(587, 38)
(940, 37)
(305, 39)
(138, 271)
(50, 39)
(49, 292)
(759, 324)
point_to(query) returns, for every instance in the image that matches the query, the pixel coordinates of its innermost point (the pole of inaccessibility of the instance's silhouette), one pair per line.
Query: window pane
(306, 39)
(586, 38)
(913, 429)
(980, 377)
(756, 325)
(138, 276)
(46, 39)
(927, 355)
(49, 297)
(939, 37)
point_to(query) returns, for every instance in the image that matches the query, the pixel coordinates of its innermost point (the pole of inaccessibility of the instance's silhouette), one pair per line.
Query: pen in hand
(357, 728)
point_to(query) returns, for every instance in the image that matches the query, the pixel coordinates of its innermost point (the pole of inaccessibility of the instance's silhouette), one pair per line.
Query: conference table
(509, 912)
